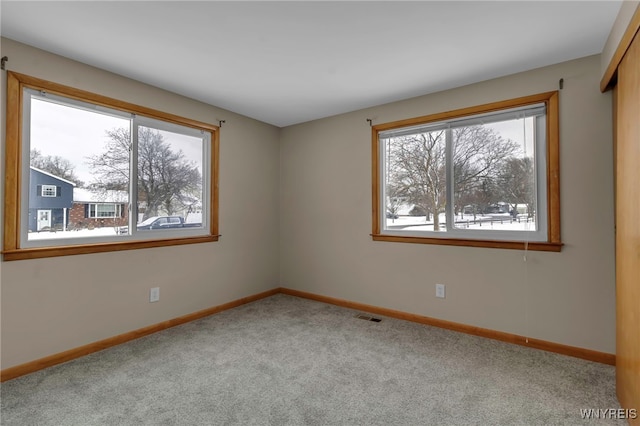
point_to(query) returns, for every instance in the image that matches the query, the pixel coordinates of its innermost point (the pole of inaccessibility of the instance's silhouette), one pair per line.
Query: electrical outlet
(440, 291)
(154, 294)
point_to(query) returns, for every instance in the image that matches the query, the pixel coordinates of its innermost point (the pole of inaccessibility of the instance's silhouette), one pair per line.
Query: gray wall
(566, 297)
(295, 211)
(52, 305)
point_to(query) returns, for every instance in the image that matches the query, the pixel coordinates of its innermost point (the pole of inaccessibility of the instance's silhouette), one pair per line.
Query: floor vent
(367, 318)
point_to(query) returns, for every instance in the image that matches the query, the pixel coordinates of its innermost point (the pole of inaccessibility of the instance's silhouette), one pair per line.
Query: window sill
(42, 252)
(512, 245)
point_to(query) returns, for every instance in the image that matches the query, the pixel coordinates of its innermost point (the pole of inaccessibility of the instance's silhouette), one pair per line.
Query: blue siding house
(50, 199)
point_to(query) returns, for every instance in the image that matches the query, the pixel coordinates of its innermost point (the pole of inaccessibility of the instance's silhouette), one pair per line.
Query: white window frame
(135, 122)
(48, 191)
(540, 146)
(117, 210)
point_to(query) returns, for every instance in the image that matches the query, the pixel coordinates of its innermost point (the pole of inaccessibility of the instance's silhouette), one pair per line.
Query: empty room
(320, 213)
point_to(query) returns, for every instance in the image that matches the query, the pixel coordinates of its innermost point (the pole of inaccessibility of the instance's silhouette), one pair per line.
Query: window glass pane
(170, 179)
(494, 176)
(106, 210)
(48, 190)
(415, 187)
(77, 156)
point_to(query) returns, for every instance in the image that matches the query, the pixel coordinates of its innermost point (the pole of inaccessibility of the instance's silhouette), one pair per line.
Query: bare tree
(54, 164)
(478, 155)
(516, 182)
(417, 167)
(167, 181)
(394, 201)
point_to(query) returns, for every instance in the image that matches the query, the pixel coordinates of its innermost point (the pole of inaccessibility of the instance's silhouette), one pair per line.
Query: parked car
(161, 222)
(165, 222)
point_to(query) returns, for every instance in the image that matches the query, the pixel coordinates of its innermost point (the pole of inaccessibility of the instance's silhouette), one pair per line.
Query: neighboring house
(55, 204)
(50, 198)
(98, 208)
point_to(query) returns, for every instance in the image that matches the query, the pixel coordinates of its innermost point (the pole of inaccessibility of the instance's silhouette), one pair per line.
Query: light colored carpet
(290, 361)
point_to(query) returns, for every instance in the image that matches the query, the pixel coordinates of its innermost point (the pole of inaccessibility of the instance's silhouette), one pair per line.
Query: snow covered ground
(82, 233)
(480, 222)
(407, 223)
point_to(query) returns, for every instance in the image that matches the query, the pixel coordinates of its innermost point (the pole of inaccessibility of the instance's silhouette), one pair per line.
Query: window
(132, 161)
(48, 191)
(105, 210)
(484, 176)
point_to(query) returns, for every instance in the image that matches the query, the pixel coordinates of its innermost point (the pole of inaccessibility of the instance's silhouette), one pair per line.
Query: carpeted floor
(290, 361)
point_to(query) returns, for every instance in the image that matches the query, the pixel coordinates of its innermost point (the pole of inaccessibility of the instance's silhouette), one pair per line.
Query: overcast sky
(77, 134)
(520, 131)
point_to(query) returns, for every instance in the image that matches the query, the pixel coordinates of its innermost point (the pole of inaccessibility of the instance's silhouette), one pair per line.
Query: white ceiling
(290, 62)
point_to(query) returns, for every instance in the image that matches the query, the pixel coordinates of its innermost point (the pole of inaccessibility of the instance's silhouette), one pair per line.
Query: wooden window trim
(16, 83)
(553, 242)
